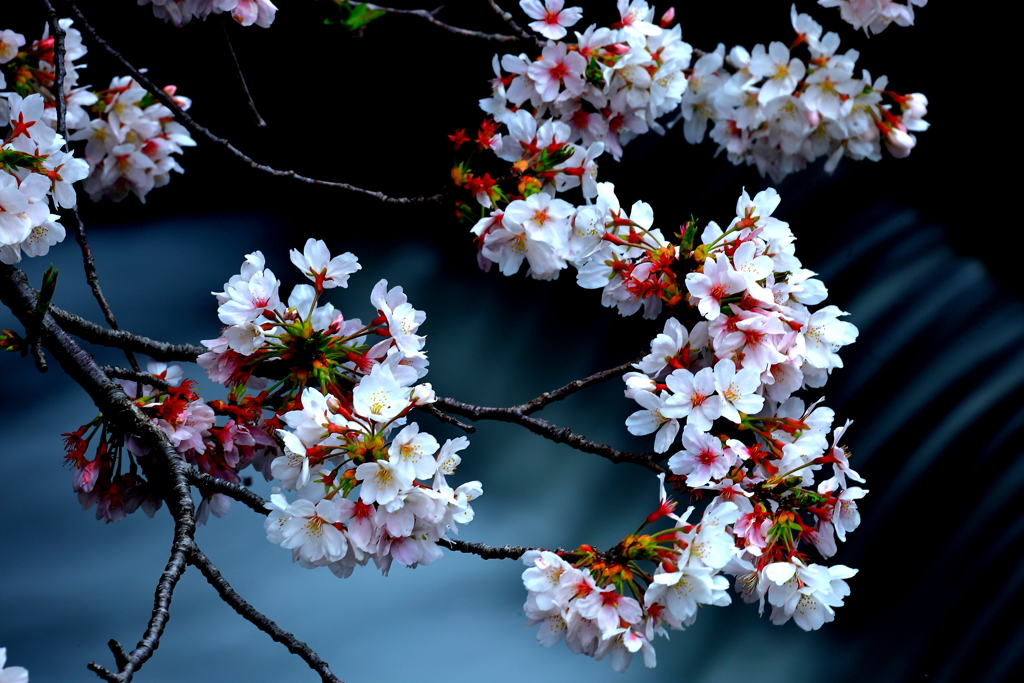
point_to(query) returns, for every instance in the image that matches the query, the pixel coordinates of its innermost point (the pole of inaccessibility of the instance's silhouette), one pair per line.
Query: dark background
(923, 252)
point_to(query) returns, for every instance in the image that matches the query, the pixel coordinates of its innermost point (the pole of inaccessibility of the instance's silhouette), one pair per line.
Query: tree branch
(243, 495)
(115, 372)
(429, 16)
(260, 123)
(122, 339)
(549, 431)
(549, 397)
(193, 126)
(487, 552)
(88, 262)
(257, 618)
(469, 429)
(516, 28)
(122, 412)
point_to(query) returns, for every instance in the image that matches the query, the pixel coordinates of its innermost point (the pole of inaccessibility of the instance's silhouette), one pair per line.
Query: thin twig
(429, 16)
(549, 431)
(469, 429)
(191, 124)
(571, 388)
(507, 18)
(258, 619)
(88, 262)
(260, 123)
(93, 278)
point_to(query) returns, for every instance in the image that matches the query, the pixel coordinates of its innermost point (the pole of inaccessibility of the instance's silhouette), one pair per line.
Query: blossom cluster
(342, 398)
(245, 12)
(131, 138)
(131, 141)
(11, 674)
(112, 481)
(874, 16)
(593, 601)
(552, 117)
(35, 177)
(778, 112)
(740, 342)
(755, 341)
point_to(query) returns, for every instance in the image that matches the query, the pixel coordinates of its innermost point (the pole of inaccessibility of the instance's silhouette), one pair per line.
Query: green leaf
(354, 16)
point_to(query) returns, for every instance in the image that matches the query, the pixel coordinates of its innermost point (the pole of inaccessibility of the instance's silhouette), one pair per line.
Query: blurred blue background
(934, 383)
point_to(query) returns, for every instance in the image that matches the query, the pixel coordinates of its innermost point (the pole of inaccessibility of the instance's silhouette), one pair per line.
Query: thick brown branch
(429, 16)
(257, 618)
(548, 431)
(122, 339)
(193, 126)
(487, 552)
(121, 412)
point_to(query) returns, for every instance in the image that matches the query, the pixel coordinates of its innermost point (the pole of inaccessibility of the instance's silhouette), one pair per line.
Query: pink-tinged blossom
(702, 458)
(667, 346)
(693, 397)
(511, 243)
(557, 69)
(544, 218)
(607, 607)
(552, 17)
(245, 12)
(718, 281)
(247, 300)
(755, 338)
(316, 263)
(635, 18)
(63, 170)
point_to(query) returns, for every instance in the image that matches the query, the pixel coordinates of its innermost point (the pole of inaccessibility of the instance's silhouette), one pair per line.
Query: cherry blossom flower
(316, 263)
(552, 17)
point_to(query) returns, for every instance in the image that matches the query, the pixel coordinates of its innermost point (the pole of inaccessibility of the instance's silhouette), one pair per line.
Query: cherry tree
(750, 484)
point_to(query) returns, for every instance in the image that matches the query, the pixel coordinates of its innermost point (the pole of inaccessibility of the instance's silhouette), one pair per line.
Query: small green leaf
(354, 16)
